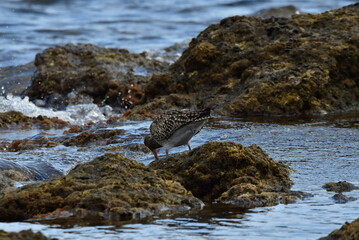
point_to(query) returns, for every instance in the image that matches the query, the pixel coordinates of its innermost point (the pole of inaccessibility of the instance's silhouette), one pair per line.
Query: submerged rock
(94, 138)
(87, 138)
(84, 73)
(275, 66)
(23, 235)
(111, 187)
(341, 186)
(14, 119)
(341, 198)
(349, 231)
(227, 172)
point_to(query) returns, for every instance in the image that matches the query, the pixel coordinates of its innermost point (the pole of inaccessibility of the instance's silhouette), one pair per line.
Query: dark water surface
(320, 150)
(29, 26)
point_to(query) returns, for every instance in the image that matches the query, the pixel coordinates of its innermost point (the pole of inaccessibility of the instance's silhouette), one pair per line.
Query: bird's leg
(154, 151)
(189, 147)
(166, 152)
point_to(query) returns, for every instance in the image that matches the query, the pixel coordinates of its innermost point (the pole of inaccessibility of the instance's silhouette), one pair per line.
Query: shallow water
(29, 26)
(320, 150)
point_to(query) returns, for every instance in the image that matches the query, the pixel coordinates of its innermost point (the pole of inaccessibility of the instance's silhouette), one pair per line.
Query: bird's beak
(154, 151)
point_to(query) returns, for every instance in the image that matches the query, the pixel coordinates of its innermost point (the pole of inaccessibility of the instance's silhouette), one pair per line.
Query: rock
(89, 138)
(84, 73)
(34, 143)
(341, 186)
(110, 187)
(277, 66)
(94, 138)
(349, 231)
(341, 198)
(228, 172)
(14, 80)
(23, 235)
(14, 119)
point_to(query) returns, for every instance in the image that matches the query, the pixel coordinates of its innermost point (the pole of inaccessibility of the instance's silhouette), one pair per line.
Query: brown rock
(111, 187)
(227, 172)
(104, 75)
(23, 235)
(349, 231)
(341, 186)
(14, 119)
(275, 66)
(94, 138)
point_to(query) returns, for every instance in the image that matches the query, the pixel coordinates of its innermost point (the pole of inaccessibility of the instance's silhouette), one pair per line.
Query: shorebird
(175, 128)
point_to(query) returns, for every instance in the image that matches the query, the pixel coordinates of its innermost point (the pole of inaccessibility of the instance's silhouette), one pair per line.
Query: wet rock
(111, 187)
(95, 138)
(341, 186)
(276, 66)
(14, 80)
(230, 173)
(349, 231)
(81, 136)
(85, 72)
(27, 144)
(14, 119)
(341, 198)
(23, 235)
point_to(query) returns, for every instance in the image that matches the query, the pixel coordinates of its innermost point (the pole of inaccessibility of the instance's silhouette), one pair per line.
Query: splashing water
(74, 114)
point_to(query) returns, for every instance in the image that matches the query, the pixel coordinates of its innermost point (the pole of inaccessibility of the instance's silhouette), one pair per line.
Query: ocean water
(320, 150)
(29, 26)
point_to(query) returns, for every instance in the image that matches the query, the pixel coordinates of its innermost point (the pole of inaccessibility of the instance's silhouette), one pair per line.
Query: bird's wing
(168, 123)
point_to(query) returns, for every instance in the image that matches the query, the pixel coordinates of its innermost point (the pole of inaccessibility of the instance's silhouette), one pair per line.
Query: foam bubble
(75, 114)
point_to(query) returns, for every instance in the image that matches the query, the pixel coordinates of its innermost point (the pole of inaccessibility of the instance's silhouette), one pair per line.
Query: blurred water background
(29, 26)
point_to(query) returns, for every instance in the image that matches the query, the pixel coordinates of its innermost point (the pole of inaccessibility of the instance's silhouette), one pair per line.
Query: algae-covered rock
(23, 235)
(85, 72)
(14, 119)
(94, 138)
(111, 187)
(89, 138)
(227, 172)
(306, 64)
(349, 231)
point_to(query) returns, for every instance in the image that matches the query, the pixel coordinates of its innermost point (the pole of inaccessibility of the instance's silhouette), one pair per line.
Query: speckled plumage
(175, 128)
(165, 125)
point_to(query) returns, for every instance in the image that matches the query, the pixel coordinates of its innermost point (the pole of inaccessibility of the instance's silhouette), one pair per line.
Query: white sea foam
(75, 114)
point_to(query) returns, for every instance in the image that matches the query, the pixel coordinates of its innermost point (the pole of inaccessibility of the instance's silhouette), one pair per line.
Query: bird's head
(152, 145)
